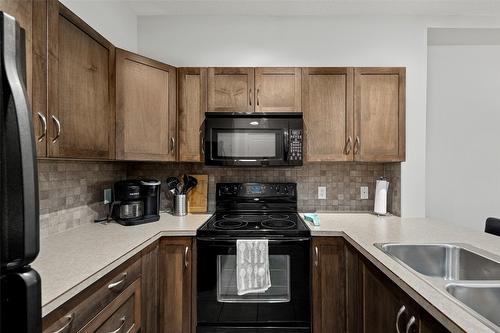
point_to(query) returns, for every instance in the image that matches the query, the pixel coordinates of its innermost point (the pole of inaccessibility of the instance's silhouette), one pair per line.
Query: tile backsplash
(71, 191)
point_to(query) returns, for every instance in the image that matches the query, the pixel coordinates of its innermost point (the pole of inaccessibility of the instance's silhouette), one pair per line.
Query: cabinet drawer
(121, 315)
(81, 309)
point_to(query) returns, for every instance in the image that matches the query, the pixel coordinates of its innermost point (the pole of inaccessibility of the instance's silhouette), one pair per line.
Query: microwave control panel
(295, 153)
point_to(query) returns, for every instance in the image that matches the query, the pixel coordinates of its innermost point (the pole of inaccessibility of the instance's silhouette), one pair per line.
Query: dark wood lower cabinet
(350, 294)
(175, 268)
(150, 297)
(329, 284)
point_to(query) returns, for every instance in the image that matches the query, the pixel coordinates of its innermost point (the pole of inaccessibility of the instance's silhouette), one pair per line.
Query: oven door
(250, 140)
(284, 307)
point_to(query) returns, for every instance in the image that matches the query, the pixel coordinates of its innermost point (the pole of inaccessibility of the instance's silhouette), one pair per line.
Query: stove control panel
(256, 190)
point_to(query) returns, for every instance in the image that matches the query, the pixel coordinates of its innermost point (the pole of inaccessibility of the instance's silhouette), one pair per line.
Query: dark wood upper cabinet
(231, 89)
(192, 105)
(328, 116)
(379, 114)
(81, 117)
(329, 285)
(175, 269)
(145, 108)
(278, 89)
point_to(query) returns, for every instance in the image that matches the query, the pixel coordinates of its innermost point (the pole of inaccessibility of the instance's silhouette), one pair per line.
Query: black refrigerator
(20, 291)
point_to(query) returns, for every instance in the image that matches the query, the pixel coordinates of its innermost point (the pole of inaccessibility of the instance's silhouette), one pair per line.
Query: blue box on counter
(312, 218)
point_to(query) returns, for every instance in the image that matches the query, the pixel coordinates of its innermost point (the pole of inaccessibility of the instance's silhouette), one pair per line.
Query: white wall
(463, 133)
(113, 19)
(307, 41)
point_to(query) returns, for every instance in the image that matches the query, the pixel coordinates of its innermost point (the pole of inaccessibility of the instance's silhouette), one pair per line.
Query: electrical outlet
(322, 192)
(108, 196)
(364, 192)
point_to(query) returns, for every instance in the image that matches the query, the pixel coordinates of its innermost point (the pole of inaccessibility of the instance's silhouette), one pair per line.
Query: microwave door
(19, 231)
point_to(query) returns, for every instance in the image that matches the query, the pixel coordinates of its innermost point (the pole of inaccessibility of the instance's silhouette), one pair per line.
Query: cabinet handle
(357, 142)
(316, 256)
(348, 145)
(172, 145)
(58, 124)
(66, 326)
(202, 141)
(119, 283)
(411, 323)
(258, 100)
(398, 317)
(119, 329)
(250, 97)
(43, 120)
(186, 262)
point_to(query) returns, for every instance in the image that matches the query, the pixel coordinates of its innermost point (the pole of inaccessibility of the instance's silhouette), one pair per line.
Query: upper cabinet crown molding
(145, 108)
(81, 94)
(379, 114)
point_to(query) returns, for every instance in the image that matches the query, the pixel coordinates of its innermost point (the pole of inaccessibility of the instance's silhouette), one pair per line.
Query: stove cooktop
(254, 225)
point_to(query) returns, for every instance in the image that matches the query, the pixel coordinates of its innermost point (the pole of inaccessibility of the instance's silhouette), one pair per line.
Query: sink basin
(445, 261)
(482, 298)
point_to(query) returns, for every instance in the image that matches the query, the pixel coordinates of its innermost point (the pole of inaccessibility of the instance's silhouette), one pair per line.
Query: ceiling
(315, 7)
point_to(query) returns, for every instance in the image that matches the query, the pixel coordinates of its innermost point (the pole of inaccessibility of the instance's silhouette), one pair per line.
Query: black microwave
(254, 139)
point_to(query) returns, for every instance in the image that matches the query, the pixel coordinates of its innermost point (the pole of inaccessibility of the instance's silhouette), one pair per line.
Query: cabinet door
(80, 88)
(149, 295)
(145, 108)
(175, 285)
(328, 116)
(383, 301)
(231, 89)
(379, 114)
(278, 89)
(192, 85)
(329, 285)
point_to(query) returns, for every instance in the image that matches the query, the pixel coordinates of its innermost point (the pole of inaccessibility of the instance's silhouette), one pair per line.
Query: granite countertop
(71, 261)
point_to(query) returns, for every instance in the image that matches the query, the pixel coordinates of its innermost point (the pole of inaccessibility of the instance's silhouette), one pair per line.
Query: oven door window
(279, 292)
(241, 144)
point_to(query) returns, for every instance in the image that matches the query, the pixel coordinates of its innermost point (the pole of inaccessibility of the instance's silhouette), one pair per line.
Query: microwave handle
(286, 143)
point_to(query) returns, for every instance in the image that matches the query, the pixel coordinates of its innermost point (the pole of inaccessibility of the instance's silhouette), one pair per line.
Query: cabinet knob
(67, 325)
(357, 142)
(348, 145)
(316, 256)
(410, 324)
(119, 329)
(43, 121)
(58, 126)
(172, 145)
(398, 317)
(186, 261)
(118, 283)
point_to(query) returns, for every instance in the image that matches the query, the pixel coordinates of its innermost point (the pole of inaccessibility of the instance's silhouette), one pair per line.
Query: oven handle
(233, 240)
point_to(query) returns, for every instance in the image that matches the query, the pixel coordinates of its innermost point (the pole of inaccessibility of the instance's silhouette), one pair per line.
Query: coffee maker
(136, 201)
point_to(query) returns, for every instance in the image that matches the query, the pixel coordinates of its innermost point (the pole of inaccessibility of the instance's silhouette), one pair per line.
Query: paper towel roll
(381, 197)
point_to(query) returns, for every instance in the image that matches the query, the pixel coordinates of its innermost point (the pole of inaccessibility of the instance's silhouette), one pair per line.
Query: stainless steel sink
(447, 261)
(469, 275)
(482, 298)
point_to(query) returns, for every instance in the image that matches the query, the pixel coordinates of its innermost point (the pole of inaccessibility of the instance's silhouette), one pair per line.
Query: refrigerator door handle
(12, 63)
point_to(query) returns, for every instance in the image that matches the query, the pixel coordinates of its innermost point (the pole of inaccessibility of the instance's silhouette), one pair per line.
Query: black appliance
(20, 287)
(253, 139)
(254, 211)
(136, 201)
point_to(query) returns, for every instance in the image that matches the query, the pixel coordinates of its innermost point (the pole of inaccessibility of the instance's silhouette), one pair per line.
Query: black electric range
(246, 211)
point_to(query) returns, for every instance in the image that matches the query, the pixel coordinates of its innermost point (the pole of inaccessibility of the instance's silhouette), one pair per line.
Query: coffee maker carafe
(136, 201)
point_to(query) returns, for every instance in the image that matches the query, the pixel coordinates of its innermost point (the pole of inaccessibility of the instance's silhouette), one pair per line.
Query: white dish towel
(252, 266)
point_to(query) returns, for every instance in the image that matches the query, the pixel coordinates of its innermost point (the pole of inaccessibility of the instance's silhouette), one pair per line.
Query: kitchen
(337, 105)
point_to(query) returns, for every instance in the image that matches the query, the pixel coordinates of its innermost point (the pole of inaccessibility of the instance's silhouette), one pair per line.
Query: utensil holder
(180, 205)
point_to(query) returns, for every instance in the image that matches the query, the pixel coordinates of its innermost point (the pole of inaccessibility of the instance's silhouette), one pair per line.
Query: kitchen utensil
(191, 183)
(185, 181)
(197, 198)
(172, 184)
